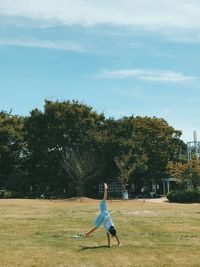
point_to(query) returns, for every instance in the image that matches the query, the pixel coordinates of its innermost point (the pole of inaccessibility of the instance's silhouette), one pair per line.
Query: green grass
(38, 233)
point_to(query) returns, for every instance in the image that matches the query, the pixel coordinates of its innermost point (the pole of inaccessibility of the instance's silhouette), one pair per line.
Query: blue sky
(122, 57)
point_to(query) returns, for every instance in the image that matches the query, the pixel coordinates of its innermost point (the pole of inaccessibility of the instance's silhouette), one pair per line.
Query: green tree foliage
(62, 124)
(159, 142)
(12, 146)
(116, 143)
(136, 149)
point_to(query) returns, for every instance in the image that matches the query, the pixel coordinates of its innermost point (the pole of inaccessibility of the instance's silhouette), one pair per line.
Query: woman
(105, 219)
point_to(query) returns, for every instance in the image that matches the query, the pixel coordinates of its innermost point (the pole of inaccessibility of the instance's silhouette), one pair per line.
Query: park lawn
(38, 233)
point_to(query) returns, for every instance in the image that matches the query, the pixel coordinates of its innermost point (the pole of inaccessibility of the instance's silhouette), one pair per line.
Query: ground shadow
(92, 247)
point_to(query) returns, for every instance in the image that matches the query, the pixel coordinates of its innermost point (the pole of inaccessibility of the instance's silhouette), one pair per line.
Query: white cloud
(153, 14)
(146, 75)
(62, 45)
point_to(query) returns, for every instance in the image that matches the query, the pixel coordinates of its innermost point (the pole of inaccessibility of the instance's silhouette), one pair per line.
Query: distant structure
(193, 148)
(113, 187)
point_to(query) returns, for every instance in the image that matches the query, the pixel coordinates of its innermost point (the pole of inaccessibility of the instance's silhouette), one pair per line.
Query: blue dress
(104, 212)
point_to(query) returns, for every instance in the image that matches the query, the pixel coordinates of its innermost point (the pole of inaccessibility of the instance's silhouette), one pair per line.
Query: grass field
(38, 233)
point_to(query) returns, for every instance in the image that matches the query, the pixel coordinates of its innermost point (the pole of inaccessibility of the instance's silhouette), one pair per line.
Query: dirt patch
(81, 199)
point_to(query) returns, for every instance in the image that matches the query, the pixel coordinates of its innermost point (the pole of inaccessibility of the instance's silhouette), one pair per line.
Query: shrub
(5, 194)
(2, 193)
(184, 196)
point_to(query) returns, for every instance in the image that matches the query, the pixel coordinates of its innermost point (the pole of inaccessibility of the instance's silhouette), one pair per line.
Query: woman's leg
(100, 218)
(105, 191)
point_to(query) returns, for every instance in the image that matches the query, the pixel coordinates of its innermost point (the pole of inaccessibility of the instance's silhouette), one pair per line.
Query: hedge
(184, 196)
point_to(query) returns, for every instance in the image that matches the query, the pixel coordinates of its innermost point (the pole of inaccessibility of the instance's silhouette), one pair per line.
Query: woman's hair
(112, 231)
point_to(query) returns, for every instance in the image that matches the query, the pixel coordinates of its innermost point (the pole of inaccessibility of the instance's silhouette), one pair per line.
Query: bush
(184, 196)
(2, 193)
(5, 194)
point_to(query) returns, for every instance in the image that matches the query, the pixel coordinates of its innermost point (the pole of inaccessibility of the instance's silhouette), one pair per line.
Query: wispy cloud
(183, 36)
(181, 14)
(58, 45)
(146, 75)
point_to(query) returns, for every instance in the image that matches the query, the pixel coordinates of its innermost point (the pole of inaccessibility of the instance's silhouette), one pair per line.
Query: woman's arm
(108, 236)
(119, 244)
(91, 231)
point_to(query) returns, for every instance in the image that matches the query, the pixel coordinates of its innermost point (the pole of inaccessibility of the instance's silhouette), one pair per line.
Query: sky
(121, 57)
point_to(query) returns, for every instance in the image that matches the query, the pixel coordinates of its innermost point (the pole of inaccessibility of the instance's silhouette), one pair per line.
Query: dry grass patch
(39, 233)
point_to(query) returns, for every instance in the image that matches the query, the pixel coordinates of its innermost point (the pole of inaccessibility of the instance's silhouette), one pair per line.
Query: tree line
(68, 149)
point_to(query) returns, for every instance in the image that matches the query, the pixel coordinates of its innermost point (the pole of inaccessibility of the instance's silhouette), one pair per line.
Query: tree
(125, 168)
(62, 124)
(133, 149)
(80, 167)
(12, 146)
(186, 172)
(160, 142)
